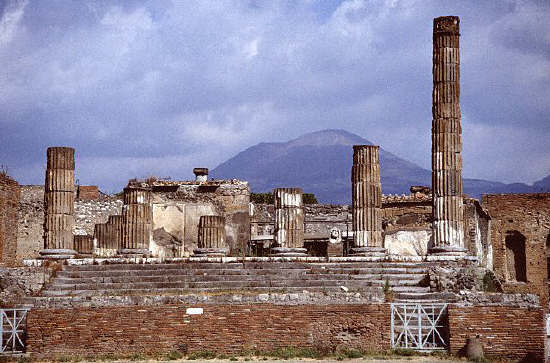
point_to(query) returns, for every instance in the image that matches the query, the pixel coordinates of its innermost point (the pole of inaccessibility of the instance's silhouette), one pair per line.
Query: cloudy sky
(157, 87)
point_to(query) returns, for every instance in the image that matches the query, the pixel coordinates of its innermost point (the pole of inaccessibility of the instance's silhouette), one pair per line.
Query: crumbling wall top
(447, 24)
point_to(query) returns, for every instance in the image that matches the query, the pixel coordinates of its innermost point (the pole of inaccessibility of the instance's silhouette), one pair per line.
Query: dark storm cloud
(158, 87)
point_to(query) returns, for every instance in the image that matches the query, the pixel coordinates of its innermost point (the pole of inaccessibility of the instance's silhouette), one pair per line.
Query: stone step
(215, 277)
(175, 291)
(229, 284)
(236, 271)
(240, 265)
(424, 297)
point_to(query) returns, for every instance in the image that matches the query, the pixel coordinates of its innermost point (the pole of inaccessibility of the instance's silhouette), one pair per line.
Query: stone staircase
(212, 277)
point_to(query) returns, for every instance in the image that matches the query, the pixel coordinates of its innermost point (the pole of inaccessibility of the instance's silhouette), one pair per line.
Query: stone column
(212, 237)
(59, 204)
(84, 245)
(448, 220)
(104, 245)
(289, 223)
(366, 202)
(116, 222)
(137, 219)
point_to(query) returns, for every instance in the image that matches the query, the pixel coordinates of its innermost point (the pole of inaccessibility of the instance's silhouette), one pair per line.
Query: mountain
(320, 163)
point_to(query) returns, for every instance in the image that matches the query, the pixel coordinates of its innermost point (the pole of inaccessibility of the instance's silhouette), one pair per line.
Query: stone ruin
(435, 244)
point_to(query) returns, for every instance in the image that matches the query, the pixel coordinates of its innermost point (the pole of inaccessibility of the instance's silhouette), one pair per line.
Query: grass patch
(201, 355)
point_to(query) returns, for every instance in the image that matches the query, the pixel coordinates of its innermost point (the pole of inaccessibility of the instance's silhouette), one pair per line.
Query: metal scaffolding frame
(419, 326)
(12, 330)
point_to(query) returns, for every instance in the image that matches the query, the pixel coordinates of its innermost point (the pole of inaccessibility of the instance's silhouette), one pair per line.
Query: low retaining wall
(221, 329)
(509, 332)
(514, 333)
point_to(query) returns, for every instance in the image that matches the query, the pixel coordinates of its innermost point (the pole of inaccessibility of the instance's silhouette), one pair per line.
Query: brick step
(230, 284)
(215, 277)
(258, 290)
(237, 271)
(240, 265)
(424, 297)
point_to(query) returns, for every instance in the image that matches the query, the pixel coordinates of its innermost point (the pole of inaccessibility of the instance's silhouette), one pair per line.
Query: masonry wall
(87, 192)
(514, 333)
(508, 332)
(227, 198)
(9, 200)
(526, 215)
(31, 218)
(221, 329)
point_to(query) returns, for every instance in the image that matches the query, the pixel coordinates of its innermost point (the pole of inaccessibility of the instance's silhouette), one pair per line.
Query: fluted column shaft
(366, 197)
(59, 203)
(448, 220)
(137, 217)
(212, 232)
(289, 217)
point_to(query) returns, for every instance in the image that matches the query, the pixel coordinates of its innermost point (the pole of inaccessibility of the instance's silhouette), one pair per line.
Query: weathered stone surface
(212, 232)
(137, 217)
(59, 202)
(9, 201)
(448, 221)
(366, 197)
(289, 218)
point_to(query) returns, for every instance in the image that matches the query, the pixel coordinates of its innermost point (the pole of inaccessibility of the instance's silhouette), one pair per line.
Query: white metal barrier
(12, 330)
(419, 326)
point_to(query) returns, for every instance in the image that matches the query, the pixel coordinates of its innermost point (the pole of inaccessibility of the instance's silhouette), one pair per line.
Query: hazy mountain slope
(320, 163)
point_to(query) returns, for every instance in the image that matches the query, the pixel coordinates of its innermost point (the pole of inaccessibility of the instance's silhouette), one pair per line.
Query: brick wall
(527, 215)
(9, 201)
(508, 332)
(514, 333)
(222, 329)
(87, 192)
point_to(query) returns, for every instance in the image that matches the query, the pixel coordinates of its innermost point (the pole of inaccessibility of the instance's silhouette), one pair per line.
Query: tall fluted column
(59, 204)
(137, 216)
(366, 201)
(212, 236)
(289, 222)
(448, 219)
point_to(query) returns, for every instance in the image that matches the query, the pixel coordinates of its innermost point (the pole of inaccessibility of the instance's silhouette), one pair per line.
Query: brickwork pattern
(514, 333)
(9, 202)
(528, 214)
(87, 192)
(506, 331)
(221, 329)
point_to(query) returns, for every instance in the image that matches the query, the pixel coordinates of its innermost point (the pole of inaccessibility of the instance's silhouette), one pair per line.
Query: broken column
(59, 204)
(137, 219)
(116, 222)
(103, 243)
(212, 236)
(448, 225)
(201, 174)
(83, 244)
(289, 223)
(366, 202)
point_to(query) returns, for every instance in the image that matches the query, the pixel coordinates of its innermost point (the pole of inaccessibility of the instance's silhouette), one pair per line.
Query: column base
(134, 252)
(57, 254)
(367, 252)
(447, 251)
(288, 252)
(211, 252)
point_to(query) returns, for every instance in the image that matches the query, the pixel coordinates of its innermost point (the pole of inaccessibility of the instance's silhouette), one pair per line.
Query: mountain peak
(328, 137)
